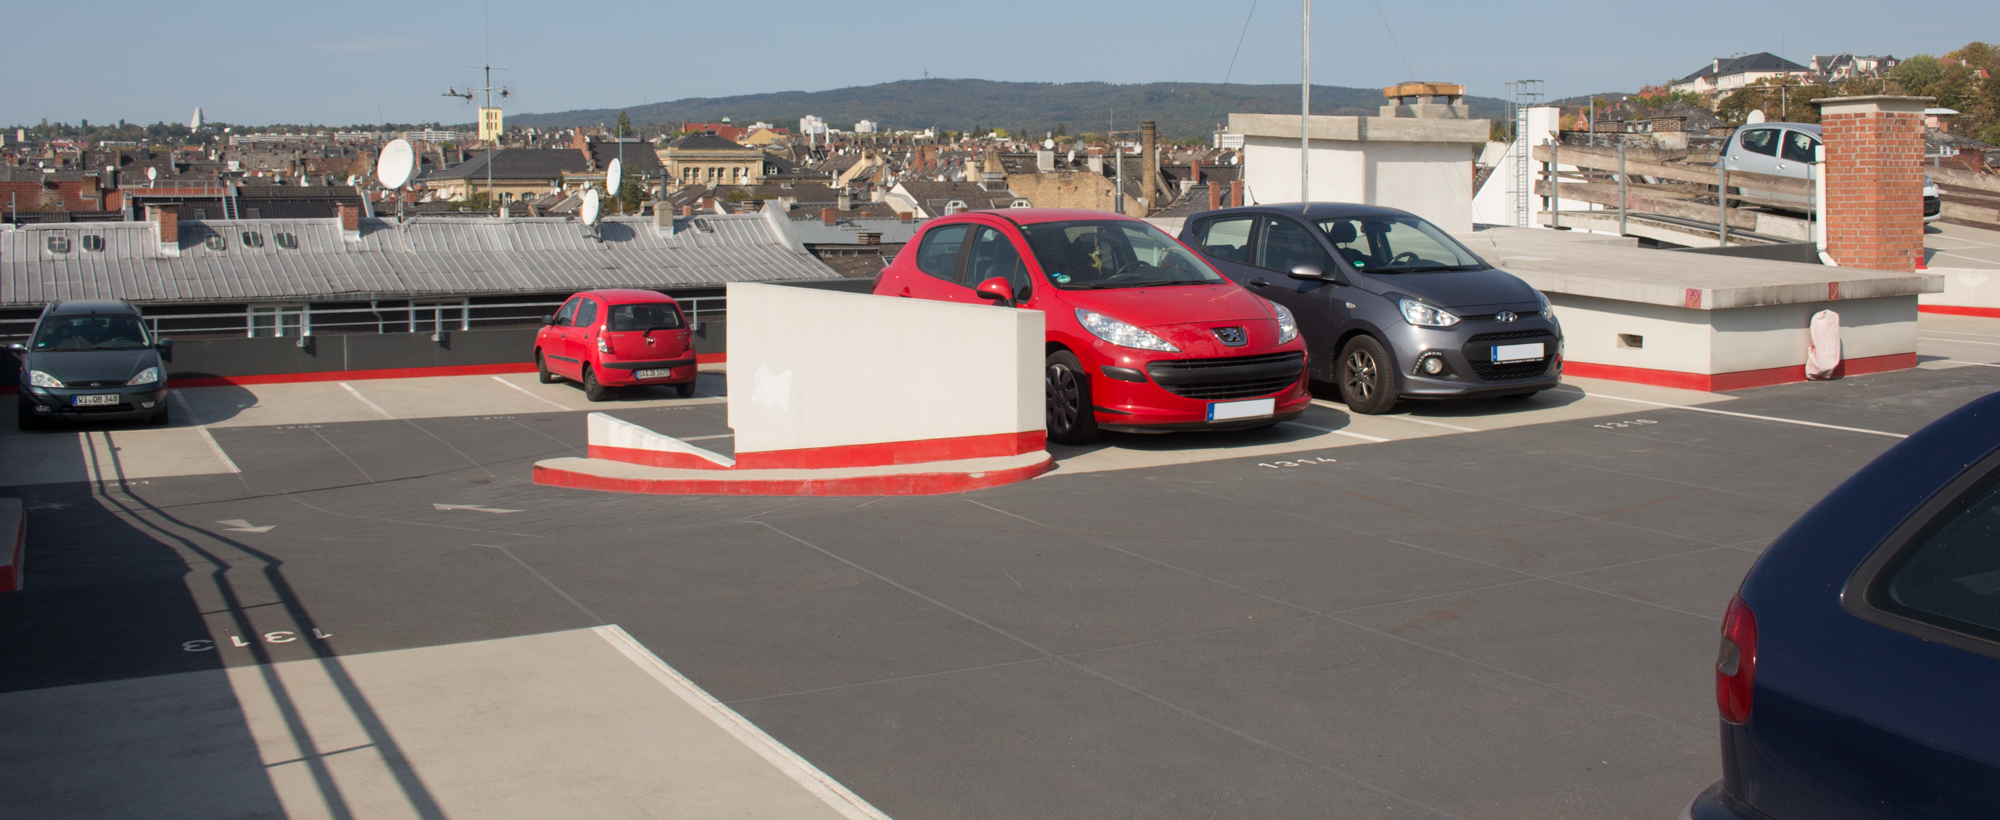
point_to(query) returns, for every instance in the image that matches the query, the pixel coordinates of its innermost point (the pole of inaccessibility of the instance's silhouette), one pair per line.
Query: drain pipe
(1819, 206)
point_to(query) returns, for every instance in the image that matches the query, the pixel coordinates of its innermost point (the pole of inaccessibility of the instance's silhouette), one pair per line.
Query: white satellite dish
(592, 210)
(152, 173)
(353, 180)
(613, 176)
(1072, 156)
(1050, 144)
(397, 162)
(1755, 117)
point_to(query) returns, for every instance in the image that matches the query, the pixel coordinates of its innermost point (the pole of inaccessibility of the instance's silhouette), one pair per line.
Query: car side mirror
(17, 348)
(997, 289)
(1307, 270)
(163, 344)
(548, 320)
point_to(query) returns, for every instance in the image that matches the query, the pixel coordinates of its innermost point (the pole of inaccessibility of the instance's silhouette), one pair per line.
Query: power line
(1239, 42)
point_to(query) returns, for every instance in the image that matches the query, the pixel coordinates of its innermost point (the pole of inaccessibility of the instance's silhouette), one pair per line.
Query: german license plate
(1517, 353)
(653, 374)
(1226, 410)
(99, 400)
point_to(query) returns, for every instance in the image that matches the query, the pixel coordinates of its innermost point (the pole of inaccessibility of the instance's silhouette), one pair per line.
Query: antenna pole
(1305, 101)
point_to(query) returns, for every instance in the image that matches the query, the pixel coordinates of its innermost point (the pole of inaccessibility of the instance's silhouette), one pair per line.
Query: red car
(617, 338)
(1143, 336)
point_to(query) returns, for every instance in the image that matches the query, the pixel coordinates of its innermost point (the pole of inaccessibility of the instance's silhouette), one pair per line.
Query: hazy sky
(372, 61)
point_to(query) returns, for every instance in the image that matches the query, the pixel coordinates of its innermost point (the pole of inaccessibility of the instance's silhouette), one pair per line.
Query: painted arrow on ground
(240, 525)
(473, 507)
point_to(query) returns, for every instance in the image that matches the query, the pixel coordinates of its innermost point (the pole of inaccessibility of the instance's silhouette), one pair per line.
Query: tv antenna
(488, 90)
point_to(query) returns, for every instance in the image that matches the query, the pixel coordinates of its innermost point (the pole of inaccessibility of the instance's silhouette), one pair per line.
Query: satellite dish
(1755, 117)
(353, 180)
(592, 208)
(613, 176)
(1049, 144)
(397, 162)
(1072, 156)
(152, 173)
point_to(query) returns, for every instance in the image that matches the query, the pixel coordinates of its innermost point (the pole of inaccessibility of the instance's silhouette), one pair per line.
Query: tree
(1782, 99)
(624, 124)
(1062, 130)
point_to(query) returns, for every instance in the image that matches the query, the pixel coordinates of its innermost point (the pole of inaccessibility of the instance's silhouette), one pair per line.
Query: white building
(812, 127)
(865, 127)
(1723, 76)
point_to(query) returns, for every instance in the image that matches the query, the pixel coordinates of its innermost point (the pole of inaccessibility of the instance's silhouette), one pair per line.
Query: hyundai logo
(1231, 336)
(1505, 316)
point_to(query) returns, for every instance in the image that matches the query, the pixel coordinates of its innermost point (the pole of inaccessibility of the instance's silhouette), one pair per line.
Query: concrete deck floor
(1489, 609)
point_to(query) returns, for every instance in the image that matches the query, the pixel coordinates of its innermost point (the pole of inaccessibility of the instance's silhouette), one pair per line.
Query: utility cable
(1239, 42)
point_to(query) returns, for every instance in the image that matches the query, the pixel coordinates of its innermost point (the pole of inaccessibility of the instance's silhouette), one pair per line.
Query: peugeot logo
(1505, 316)
(1231, 336)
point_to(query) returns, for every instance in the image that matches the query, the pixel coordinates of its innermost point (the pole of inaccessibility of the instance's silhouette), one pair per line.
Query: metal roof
(422, 256)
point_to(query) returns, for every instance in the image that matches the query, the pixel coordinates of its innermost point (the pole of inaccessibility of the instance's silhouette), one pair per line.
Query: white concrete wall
(1731, 340)
(1966, 287)
(815, 368)
(1431, 180)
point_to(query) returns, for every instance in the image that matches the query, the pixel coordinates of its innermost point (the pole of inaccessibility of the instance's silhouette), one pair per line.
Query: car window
(646, 316)
(93, 331)
(1949, 574)
(1113, 254)
(1226, 237)
(1761, 140)
(586, 312)
(1798, 146)
(1397, 244)
(567, 313)
(993, 254)
(1287, 244)
(939, 254)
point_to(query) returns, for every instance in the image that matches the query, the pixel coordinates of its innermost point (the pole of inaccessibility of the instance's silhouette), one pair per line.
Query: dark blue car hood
(106, 368)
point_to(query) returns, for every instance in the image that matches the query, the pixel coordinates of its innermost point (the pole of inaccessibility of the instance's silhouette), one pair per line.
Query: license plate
(653, 374)
(1225, 410)
(96, 401)
(1517, 353)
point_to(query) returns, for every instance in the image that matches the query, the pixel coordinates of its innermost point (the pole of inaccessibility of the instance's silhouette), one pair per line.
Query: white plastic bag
(1823, 345)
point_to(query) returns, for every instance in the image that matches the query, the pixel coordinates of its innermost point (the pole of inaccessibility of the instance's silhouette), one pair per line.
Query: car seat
(1342, 232)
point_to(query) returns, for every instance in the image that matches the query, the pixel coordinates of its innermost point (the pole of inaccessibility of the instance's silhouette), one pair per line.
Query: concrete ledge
(932, 478)
(1740, 380)
(13, 543)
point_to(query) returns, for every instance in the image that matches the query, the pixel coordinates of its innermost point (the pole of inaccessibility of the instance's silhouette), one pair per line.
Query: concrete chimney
(1095, 160)
(1149, 156)
(1718, 67)
(844, 201)
(1045, 160)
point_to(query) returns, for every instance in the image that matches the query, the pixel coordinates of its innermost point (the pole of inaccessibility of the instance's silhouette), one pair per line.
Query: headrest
(1341, 232)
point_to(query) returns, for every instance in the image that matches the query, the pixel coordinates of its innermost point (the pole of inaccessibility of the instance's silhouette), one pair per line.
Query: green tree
(1918, 75)
(1782, 99)
(1062, 130)
(624, 124)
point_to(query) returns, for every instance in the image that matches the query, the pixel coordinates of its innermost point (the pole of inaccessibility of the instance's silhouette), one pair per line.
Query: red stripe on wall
(1955, 310)
(895, 452)
(654, 458)
(902, 484)
(10, 575)
(1739, 380)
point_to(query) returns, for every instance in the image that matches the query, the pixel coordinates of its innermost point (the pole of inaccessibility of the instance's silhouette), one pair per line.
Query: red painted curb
(898, 484)
(1955, 310)
(1739, 380)
(672, 459)
(895, 452)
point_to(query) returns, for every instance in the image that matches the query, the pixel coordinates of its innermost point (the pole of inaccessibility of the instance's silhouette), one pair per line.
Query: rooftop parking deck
(346, 599)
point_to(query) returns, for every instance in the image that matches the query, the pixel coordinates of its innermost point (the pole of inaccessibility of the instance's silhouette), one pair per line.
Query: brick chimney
(1214, 196)
(828, 215)
(905, 216)
(1149, 156)
(1236, 193)
(350, 216)
(166, 219)
(687, 210)
(1194, 168)
(708, 204)
(1874, 180)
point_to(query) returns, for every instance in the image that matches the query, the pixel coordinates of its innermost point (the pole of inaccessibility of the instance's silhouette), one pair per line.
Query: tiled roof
(517, 163)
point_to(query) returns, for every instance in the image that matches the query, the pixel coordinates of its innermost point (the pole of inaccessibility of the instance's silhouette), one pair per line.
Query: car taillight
(604, 339)
(1736, 665)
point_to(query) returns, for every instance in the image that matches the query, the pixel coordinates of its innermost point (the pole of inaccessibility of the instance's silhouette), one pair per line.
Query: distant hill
(1181, 109)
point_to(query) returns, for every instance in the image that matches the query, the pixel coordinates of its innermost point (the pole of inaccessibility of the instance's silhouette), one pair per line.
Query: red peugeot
(1143, 336)
(617, 338)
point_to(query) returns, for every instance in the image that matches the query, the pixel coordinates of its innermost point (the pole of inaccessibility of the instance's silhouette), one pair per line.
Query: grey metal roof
(424, 256)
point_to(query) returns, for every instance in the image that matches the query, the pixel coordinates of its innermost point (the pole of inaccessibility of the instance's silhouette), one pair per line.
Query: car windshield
(92, 331)
(1397, 244)
(1111, 253)
(646, 316)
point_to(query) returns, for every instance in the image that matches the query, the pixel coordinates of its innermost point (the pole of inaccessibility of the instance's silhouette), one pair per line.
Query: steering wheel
(1410, 255)
(1129, 270)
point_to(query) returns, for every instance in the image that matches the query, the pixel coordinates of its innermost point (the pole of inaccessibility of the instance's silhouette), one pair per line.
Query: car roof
(1310, 210)
(91, 306)
(621, 296)
(1031, 216)
(1807, 127)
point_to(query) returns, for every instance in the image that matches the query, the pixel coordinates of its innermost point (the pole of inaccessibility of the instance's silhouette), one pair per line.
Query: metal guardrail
(295, 319)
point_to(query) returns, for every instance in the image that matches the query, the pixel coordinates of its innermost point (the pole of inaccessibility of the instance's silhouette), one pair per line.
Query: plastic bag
(1823, 346)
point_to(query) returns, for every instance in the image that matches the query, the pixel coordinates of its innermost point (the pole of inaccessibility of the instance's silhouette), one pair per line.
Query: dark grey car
(1391, 307)
(91, 360)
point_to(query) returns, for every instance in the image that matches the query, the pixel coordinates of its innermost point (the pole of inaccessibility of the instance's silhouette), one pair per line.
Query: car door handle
(1258, 283)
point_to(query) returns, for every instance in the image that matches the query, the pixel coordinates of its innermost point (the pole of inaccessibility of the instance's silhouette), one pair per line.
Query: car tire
(25, 417)
(542, 373)
(1068, 410)
(1366, 383)
(592, 390)
(161, 418)
(685, 389)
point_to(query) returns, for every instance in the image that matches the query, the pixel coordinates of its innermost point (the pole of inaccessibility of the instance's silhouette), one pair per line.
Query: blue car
(1859, 674)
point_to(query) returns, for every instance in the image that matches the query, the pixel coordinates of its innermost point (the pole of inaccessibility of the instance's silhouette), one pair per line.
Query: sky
(370, 61)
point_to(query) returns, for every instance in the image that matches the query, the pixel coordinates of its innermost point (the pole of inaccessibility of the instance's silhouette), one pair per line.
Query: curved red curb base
(919, 479)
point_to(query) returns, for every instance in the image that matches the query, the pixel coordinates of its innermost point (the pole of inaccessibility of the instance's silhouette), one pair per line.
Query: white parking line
(1337, 432)
(364, 400)
(1960, 341)
(532, 395)
(199, 427)
(1960, 333)
(1799, 422)
(1343, 408)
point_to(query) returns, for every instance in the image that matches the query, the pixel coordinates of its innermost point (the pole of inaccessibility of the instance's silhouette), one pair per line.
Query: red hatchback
(617, 338)
(1143, 336)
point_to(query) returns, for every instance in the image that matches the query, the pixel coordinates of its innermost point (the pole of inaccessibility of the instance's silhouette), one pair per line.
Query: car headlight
(1548, 308)
(1120, 333)
(147, 376)
(1422, 315)
(1288, 327)
(40, 379)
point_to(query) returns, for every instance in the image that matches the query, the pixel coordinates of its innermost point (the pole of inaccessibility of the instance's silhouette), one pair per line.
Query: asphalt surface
(1510, 623)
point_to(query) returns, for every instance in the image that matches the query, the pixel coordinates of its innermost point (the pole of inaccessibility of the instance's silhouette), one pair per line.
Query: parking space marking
(199, 427)
(364, 400)
(708, 438)
(1799, 422)
(1343, 408)
(1960, 341)
(1961, 333)
(532, 395)
(1362, 436)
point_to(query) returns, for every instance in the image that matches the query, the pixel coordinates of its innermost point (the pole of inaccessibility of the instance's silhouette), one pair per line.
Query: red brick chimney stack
(1214, 196)
(828, 215)
(167, 217)
(1874, 180)
(350, 216)
(1236, 193)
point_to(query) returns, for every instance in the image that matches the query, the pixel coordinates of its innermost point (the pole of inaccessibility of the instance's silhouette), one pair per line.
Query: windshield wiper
(1430, 269)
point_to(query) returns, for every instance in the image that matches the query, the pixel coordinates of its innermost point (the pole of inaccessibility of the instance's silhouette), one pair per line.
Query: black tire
(25, 417)
(1071, 419)
(1367, 384)
(591, 389)
(542, 373)
(163, 417)
(685, 389)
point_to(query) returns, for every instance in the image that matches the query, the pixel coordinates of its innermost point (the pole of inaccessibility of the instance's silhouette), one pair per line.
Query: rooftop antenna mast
(1305, 98)
(488, 90)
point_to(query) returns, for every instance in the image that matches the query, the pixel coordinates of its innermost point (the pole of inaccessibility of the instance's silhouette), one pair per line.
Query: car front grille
(1238, 377)
(1933, 206)
(1478, 353)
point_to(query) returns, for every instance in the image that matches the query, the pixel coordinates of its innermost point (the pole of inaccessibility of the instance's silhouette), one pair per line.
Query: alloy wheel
(1361, 373)
(1065, 398)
